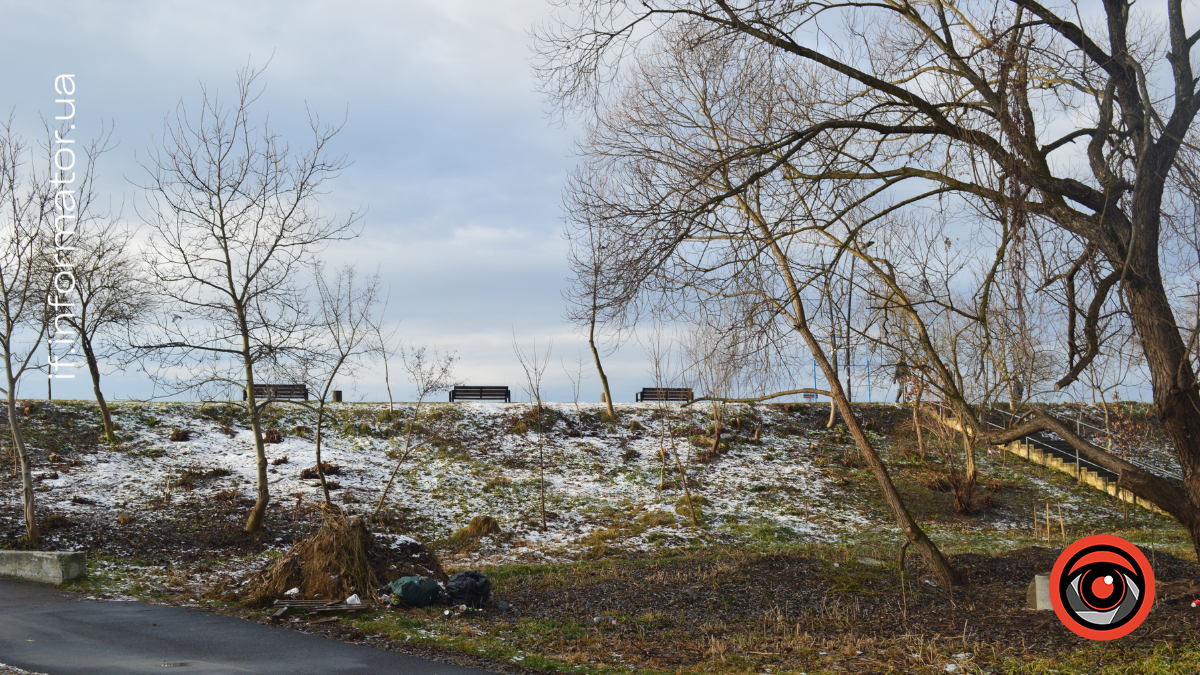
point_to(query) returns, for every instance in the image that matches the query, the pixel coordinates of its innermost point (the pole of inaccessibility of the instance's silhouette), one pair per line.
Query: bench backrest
(481, 394)
(280, 391)
(664, 394)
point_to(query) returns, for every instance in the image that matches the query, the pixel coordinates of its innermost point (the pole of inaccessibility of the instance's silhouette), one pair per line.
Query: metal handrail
(1079, 460)
(1157, 471)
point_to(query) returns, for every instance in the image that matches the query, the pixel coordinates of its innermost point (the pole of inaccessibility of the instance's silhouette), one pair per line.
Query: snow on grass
(601, 480)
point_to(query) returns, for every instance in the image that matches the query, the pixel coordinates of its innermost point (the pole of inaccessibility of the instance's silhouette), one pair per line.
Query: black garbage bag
(416, 591)
(469, 588)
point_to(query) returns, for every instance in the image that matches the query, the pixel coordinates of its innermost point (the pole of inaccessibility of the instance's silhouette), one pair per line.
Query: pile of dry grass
(343, 557)
(465, 538)
(326, 468)
(482, 526)
(331, 564)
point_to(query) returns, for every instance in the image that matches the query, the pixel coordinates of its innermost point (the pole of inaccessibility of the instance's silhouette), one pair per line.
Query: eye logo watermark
(1102, 587)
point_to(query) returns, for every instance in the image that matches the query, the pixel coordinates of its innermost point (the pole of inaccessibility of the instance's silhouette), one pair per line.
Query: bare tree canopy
(234, 224)
(1014, 182)
(114, 294)
(338, 343)
(589, 307)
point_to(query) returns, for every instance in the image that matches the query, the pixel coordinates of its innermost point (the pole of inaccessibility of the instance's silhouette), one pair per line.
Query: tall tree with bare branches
(115, 298)
(234, 225)
(586, 304)
(745, 268)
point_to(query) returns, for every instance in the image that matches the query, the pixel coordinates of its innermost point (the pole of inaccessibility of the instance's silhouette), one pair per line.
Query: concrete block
(48, 567)
(1038, 595)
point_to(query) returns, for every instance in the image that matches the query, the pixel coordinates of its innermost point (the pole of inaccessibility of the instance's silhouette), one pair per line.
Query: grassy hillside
(791, 525)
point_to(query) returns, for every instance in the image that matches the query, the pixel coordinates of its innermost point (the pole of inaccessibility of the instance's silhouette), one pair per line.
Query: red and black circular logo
(1102, 587)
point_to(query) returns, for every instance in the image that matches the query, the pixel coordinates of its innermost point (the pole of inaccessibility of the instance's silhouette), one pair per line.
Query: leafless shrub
(430, 372)
(534, 367)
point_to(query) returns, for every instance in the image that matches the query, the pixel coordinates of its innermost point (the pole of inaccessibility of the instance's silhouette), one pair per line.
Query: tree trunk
(833, 348)
(917, 421)
(612, 414)
(407, 447)
(832, 404)
(933, 557)
(387, 382)
(31, 527)
(912, 531)
(255, 522)
(687, 492)
(321, 469)
(969, 454)
(908, 526)
(1173, 381)
(110, 433)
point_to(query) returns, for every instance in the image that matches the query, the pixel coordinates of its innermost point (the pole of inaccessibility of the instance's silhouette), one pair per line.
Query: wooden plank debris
(319, 606)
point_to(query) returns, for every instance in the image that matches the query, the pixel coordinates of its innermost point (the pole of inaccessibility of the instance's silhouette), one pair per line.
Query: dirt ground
(780, 607)
(831, 610)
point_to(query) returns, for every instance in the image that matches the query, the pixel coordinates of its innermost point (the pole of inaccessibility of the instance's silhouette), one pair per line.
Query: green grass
(1111, 659)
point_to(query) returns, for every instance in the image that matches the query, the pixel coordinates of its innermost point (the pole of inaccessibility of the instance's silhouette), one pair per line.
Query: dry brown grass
(326, 468)
(331, 564)
(483, 525)
(342, 557)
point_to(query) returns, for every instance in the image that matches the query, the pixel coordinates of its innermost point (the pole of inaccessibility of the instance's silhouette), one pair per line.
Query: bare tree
(113, 295)
(26, 203)
(534, 367)
(576, 377)
(343, 336)
(588, 255)
(744, 262)
(234, 225)
(114, 300)
(715, 364)
(430, 372)
(663, 375)
(386, 348)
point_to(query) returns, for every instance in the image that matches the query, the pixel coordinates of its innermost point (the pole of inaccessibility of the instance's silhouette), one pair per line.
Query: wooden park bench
(480, 394)
(293, 392)
(664, 394)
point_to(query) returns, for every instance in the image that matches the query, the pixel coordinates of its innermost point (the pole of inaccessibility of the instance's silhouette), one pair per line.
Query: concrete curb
(48, 567)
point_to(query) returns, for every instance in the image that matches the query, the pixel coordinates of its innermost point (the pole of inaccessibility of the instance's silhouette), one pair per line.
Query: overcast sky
(454, 158)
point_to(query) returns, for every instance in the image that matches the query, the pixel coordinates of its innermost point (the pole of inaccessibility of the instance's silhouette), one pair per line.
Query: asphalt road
(49, 631)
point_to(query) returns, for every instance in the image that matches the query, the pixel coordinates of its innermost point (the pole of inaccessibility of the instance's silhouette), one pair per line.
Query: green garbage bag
(415, 591)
